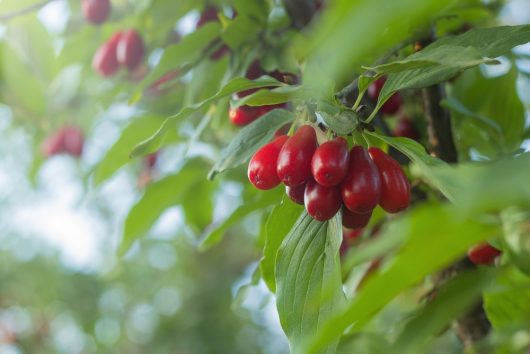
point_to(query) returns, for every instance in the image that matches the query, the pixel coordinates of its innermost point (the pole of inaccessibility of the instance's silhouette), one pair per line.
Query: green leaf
(308, 280)
(341, 121)
(278, 225)
(118, 155)
(269, 97)
(453, 55)
(256, 10)
(216, 233)
(158, 197)
(450, 302)
(435, 236)
(516, 224)
(249, 139)
(239, 31)
(425, 162)
(154, 142)
(188, 51)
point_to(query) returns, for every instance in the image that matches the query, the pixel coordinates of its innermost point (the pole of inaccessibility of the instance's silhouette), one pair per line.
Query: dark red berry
(296, 194)
(361, 189)
(253, 72)
(322, 203)
(483, 254)
(96, 11)
(329, 164)
(294, 161)
(405, 128)
(151, 159)
(392, 105)
(219, 53)
(105, 61)
(395, 188)
(262, 167)
(130, 50)
(353, 220)
(208, 15)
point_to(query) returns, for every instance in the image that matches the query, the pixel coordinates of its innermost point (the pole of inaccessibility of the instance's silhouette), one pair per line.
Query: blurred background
(63, 286)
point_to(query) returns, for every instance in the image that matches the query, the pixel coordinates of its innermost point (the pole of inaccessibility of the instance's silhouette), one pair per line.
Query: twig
(4, 18)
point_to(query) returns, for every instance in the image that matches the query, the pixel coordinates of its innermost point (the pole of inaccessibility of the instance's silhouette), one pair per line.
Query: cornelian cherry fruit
(329, 164)
(395, 188)
(353, 220)
(405, 128)
(294, 160)
(262, 167)
(361, 189)
(296, 194)
(96, 11)
(130, 49)
(392, 105)
(322, 203)
(105, 61)
(483, 254)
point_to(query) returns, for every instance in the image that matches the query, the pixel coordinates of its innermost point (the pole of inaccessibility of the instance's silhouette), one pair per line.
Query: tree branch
(4, 18)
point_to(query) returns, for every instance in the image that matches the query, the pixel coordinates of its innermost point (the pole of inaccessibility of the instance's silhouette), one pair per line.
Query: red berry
(483, 254)
(105, 61)
(395, 188)
(262, 167)
(329, 164)
(73, 141)
(294, 161)
(406, 128)
(361, 189)
(322, 203)
(208, 15)
(296, 194)
(130, 50)
(253, 72)
(354, 220)
(244, 115)
(150, 160)
(96, 11)
(351, 235)
(53, 145)
(392, 105)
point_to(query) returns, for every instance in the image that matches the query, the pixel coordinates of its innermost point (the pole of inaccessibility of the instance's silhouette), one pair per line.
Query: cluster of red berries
(244, 115)
(67, 140)
(325, 177)
(122, 49)
(96, 11)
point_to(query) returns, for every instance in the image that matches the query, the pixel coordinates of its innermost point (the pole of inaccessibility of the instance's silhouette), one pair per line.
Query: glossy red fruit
(354, 220)
(296, 194)
(329, 164)
(322, 203)
(244, 115)
(68, 139)
(483, 254)
(395, 188)
(392, 105)
(105, 61)
(405, 128)
(361, 189)
(262, 167)
(96, 11)
(130, 50)
(294, 161)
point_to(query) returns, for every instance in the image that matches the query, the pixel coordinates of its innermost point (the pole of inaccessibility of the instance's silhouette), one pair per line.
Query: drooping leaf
(278, 225)
(308, 280)
(235, 85)
(157, 197)
(249, 139)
